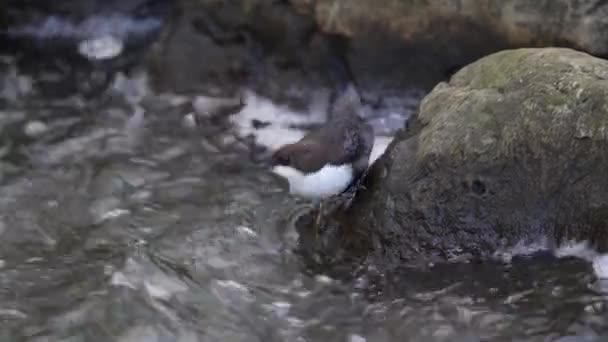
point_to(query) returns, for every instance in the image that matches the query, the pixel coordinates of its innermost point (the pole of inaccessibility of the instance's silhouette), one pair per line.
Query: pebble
(600, 266)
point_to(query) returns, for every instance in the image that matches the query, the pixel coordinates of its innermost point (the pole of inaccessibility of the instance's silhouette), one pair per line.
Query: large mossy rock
(513, 148)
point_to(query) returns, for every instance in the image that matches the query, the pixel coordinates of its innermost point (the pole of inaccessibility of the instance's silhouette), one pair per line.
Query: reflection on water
(118, 227)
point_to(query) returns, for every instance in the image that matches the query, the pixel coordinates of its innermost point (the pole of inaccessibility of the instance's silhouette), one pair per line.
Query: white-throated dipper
(332, 159)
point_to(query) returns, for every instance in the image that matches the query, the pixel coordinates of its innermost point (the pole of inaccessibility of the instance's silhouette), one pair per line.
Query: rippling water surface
(118, 226)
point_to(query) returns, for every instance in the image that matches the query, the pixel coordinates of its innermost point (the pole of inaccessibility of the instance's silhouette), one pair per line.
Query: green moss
(494, 71)
(523, 96)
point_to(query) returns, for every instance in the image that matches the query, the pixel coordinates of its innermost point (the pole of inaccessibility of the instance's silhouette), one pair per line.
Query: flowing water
(139, 221)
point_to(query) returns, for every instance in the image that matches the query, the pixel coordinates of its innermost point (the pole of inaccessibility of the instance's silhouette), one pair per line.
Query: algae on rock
(514, 147)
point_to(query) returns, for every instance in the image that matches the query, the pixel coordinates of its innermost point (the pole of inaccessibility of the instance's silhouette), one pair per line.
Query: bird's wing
(311, 156)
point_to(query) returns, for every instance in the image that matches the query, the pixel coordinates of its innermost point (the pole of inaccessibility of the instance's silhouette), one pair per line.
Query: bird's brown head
(305, 157)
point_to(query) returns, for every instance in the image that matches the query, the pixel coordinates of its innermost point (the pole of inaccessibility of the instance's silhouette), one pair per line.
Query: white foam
(278, 132)
(279, 118)
(578, 249)
(600, 266)
(583, 250)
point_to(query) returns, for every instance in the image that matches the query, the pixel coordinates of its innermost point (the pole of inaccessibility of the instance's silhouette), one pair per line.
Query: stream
(134, 220)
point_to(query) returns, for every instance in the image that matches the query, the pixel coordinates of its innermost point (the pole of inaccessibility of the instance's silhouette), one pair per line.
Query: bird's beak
(263, 157)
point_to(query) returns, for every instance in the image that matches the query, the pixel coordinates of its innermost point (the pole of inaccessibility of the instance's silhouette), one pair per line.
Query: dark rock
(264, 45)
(514, 148)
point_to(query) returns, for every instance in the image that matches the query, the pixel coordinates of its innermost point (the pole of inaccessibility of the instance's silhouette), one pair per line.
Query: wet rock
(512, 149)
(431, 37)
(259, 44)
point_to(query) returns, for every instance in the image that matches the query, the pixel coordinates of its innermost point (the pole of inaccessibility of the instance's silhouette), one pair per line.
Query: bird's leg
(351, 192)
(318, 218)
(359, 184)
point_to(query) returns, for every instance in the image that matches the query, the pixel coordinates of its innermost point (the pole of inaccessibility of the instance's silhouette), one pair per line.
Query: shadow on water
(122, 227)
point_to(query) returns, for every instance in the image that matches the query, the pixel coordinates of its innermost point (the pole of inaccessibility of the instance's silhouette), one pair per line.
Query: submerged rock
(513, 148)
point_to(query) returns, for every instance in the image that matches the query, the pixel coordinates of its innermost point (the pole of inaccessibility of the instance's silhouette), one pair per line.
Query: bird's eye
(281, 159)
(284, 160)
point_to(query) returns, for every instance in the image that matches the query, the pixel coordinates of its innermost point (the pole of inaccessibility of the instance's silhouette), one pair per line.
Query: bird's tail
(346, 102)
(339, 72)
(346, 99)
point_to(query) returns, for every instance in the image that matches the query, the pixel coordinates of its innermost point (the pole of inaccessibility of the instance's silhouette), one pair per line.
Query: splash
(578, 249)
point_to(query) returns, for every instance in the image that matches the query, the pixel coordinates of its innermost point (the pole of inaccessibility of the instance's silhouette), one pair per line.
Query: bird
(332, 159)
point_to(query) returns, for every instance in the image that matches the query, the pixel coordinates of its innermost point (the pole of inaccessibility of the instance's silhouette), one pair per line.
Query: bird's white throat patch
(329, 180)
